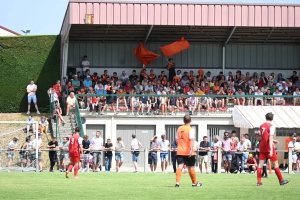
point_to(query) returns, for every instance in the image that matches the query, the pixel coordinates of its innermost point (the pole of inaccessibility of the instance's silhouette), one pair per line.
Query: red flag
(175, 47)
(144, 55)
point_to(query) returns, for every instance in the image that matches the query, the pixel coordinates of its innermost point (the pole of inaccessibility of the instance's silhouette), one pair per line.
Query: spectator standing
(135, 147)
(164, 146)
(227, 157)
(52, 146)
(85, 64)
(86, 145)
(152, 156)
(31, 90)
(97, 146)
(174, 147)
(241, 148)
(58, 89)
(203, 156)
(171, 67)
(295, 148)
(108, 147)
(64, 154)
(119, 155)
(286, 153)
(39, 143)
(12, 145)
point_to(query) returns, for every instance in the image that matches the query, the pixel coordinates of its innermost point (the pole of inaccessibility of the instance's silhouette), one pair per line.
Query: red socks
(75, 170)
(278, 174)
(71, 165)
(258, 175)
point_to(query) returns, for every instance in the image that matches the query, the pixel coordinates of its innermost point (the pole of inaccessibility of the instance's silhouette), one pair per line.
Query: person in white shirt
(31, 90)
(164, 152)
(12, 145)
(259, 92)
(149, 87)
(295, 148)
(278, 100)
(71, 102)
(85, 65)
(39, 143)
(283, 88)
(96, 148)
(296, 95)
(135, 150)
(241, 152)
(119, 147)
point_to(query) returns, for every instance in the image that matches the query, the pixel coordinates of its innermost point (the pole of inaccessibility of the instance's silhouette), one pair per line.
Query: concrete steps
(66, 130)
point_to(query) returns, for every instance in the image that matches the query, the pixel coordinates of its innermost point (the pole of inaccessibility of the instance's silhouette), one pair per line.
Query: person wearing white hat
(12, 145)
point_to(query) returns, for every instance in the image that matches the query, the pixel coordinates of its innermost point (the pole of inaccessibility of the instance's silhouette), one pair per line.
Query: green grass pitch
(113, 185)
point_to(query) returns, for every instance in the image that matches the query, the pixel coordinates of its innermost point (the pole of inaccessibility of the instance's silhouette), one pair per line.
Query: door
(143, 134)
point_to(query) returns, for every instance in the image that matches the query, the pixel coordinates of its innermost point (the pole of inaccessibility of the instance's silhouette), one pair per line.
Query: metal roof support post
(269, 35)
(148, 34)
(229, 36)
(219, 160)
(223, 60)
(290, 163)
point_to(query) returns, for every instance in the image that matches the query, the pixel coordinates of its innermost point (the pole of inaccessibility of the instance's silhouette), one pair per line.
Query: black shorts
(251, 168)
(189, 161)
(286, 155)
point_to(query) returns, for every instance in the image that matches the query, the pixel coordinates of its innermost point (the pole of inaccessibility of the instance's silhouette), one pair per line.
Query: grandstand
(251, 38)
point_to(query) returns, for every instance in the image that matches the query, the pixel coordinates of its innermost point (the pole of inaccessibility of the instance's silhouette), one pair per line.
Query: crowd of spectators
(182, 85)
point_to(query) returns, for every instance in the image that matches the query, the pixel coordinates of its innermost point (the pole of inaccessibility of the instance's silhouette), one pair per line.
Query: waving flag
(175, 47)
(144, 55)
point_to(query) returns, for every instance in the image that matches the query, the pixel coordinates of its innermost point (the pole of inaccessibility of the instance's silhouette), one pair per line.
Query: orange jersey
(164, 82)
(170, 65)
(191, 77)
(95, 78)
(160, 77)
(104, 76)
(183, 135)
(143, 73)
(176, 78)
(152, 77)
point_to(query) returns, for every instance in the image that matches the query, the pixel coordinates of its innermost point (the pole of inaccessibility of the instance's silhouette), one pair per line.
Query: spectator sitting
(149, 87)
(138, 88)
(283, 88)
(124, 78)
(163, 103)
(254, 87)
(152, 76)
(143, 103)
(265, 88)
(250, 99)
(294, 77)
(185, 81)
(278, 100)
(30, 126)
(133, 78)
(134, 102)
(43, 125)
(240, 100)
(252, 164)
(121, 99)
(173, 103)
(268, 99)
(153, 104)
(57, 115)
(297, 83)
(70, 102)
(143, 74)
(95, 78)
(88, 81)
(76, 83)
(296, 95)
(258, 98)
(105, 75)
(81, 99)
(115, 77)
(192, 104)
(70, 87)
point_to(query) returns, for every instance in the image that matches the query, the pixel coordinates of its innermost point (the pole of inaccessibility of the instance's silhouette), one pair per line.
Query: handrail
(78, 118)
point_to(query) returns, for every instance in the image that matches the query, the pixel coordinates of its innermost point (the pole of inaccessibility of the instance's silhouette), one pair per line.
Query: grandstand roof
(254, 116)
(167, 21)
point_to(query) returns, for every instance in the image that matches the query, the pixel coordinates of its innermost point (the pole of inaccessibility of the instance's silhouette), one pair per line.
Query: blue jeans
(245, 157)
(108, 163)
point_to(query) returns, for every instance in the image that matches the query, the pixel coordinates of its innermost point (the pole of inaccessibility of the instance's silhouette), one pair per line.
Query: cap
(16, 137)
(283, 81)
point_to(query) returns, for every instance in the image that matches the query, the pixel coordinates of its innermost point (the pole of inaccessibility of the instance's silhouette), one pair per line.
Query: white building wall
(5, 33)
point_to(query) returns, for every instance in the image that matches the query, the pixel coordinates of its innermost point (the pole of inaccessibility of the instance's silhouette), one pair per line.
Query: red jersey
(57, 89)
(74, 146)
(251, 161)
(266, 129)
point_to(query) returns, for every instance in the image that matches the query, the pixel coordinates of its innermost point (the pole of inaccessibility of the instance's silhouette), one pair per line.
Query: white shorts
(202, 158)
(294, 158)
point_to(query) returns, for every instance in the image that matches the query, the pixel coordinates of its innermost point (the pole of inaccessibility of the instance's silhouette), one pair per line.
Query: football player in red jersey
(267, 150)
(75, 150)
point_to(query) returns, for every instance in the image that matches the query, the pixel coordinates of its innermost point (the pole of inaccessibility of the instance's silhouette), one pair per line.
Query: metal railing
(145, 151)
(78, 118)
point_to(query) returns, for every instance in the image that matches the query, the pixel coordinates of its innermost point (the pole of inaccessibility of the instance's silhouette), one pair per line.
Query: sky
(45, 17)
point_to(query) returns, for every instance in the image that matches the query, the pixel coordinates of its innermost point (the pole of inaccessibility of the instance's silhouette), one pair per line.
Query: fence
(17, 162)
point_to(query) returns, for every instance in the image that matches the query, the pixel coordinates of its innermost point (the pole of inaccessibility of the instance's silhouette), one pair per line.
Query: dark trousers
(96, 108)
(174, 162)
(53, 160)
(214, 166)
